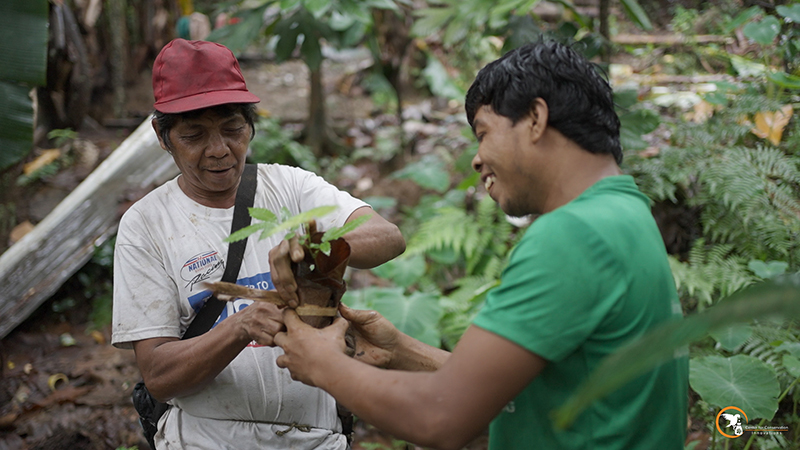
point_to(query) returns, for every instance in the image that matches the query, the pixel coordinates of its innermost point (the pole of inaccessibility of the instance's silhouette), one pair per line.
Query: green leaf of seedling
(246, 232)
(304, 217)
(741, 380)
(325, 247)
(336, 233)
(763, 32)
(262, 214)
(790, 12)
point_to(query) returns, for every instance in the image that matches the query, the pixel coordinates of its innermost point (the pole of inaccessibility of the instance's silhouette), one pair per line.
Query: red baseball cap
(189, 75)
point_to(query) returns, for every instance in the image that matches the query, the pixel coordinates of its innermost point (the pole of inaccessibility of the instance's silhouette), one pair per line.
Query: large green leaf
(415, 315)
(730, 338)
(764, 32)
(16, 123)
(238, 36)
(779, 297)
(440, 82)
(790, 12)
(637, 14)
(23, 64)
(23, 41)
(742, 381)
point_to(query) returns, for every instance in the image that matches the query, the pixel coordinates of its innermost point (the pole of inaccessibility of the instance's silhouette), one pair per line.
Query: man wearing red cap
(224, 387)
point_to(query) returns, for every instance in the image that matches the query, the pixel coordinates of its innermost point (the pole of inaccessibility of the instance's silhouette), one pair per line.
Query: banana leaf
(23, 51)
(780, 297)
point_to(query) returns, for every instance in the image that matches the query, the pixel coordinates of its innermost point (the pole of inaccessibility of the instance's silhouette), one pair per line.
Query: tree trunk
(316, 126)
(605, 50)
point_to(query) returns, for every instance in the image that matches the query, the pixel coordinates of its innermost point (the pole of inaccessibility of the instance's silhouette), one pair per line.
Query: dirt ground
(62, 385)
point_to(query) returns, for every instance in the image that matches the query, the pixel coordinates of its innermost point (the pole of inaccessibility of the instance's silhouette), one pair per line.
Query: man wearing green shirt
(589, 275)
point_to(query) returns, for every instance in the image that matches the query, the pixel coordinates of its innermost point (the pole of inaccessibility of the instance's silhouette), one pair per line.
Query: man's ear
(539, 116)
(163, 144)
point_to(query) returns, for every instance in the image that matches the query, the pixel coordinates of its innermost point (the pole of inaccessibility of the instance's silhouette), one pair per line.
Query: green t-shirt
(585, 279)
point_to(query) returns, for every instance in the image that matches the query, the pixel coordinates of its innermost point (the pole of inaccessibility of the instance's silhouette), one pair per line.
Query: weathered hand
(259, 322)
(376, 337)
(306, 349)
(280, 263)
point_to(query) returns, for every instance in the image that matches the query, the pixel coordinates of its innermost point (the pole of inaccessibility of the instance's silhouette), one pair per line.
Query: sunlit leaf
(763, 32)
(747, 68)
(769, 125)
(742, 380)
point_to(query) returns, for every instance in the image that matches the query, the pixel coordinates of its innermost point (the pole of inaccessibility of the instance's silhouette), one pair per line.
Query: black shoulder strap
(245, 196)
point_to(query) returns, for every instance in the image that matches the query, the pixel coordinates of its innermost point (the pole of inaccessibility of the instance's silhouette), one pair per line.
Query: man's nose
(217, 147)
(477, 164)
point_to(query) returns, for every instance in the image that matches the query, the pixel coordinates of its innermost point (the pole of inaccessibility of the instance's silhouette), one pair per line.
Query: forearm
(374, 242)
(411, 405)
(175, 368)
(413, 355)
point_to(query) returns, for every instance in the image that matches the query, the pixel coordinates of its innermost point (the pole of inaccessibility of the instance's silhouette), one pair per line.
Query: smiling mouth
(488, 182)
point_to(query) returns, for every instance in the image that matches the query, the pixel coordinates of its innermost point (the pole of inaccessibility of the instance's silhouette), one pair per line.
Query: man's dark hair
(580, 101)
(167, 121)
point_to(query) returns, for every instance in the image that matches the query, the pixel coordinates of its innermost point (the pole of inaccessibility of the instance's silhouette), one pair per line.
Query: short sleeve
(315, 192)
(145, 298)
(558, 287)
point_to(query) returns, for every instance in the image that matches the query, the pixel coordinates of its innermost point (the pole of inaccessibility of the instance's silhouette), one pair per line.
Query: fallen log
(669, 39)
(34, 268)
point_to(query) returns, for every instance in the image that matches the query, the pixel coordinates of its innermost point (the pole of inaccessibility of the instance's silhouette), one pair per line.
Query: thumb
(340, 325)
(291, 319)
(358, 316)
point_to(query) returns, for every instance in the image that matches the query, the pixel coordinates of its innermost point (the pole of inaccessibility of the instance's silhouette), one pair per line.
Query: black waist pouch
(149, 409)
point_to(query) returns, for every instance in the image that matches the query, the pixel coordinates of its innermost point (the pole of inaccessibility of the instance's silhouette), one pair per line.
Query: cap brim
(205, 100)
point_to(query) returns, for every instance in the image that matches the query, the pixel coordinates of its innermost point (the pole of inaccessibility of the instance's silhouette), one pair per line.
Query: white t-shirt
(167, 245)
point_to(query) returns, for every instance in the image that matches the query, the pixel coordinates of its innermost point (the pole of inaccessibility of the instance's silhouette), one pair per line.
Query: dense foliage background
(706, 91)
